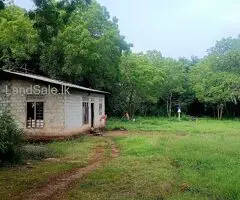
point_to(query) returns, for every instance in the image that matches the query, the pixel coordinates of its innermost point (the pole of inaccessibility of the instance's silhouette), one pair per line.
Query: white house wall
(62, 113)
(73, 111)
(97, 99)
(53, 111)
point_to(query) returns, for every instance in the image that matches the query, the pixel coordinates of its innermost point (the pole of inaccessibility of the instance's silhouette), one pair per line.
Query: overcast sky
(174, 27)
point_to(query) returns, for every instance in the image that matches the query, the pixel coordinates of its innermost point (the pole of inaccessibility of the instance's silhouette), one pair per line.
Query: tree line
(78, 41)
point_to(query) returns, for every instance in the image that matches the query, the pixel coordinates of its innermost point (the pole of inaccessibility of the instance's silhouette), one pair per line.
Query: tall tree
(173, 85)
(215, 87)
(50, 19)
(18, 39)
(51, 16)
(140, 81)
(225, 45)
(91, 47)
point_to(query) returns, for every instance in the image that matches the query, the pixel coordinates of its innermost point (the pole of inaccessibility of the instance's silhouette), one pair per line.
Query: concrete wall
(62, 113)
(97, 99)
(54, 114)
(74, 110)
(53, 109)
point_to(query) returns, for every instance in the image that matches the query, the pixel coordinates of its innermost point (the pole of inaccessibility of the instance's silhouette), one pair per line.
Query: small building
(46, 108)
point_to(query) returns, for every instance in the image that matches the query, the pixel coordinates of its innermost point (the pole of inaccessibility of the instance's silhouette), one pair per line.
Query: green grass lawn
(169, 160)
(201, 125)
(159, 159)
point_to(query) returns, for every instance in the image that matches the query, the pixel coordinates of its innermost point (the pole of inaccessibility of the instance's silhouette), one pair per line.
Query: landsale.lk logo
(37, 90)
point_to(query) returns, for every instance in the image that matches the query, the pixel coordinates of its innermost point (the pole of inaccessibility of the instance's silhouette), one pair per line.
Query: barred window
(35, 114)
(100, 108)
(85, 110)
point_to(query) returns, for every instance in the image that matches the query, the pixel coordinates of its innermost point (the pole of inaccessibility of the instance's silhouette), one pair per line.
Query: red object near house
(103, 119)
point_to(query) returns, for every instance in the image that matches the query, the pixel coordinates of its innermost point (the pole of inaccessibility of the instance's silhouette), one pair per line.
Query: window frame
(85, 111)
(100, 109)
(35, 113)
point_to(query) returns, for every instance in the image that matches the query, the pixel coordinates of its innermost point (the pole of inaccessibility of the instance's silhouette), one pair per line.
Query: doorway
(92, 115)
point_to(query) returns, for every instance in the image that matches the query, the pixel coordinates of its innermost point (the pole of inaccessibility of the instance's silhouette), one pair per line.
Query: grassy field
(200, 125)
(170, 160)
(26, 178)
(159, 159)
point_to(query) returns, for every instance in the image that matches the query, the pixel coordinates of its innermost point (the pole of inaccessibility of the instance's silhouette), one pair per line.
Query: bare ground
(62, 182)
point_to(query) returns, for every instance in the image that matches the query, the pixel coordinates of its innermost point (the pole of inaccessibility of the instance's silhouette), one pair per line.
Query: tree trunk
(220, 111)
(167, 108)
(133, 110)
(170, 105)
(130, 104)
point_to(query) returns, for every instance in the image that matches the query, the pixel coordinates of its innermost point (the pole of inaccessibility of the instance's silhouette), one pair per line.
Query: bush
(11, 139)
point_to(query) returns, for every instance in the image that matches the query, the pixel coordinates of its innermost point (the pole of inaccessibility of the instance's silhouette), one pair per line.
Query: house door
(92, 114)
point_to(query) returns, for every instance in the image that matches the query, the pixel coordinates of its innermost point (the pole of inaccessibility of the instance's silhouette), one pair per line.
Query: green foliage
(88, 50)
(140, 81)
(224, 46)
(11, 139)
(173, 85)
(51, 16)
(18, 39)
(215, 84)
(2, 5)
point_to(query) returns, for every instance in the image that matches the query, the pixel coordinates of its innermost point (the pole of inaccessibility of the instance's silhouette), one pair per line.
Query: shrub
(11, 139)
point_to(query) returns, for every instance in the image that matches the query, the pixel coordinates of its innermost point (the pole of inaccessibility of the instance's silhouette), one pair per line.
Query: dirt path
(63, 181)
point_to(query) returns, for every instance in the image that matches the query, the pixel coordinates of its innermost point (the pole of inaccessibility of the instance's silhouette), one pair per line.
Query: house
(46, 108)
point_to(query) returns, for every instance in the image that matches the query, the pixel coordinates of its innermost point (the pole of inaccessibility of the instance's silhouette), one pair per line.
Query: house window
(35, 117)
(85, 112)
(100, 108)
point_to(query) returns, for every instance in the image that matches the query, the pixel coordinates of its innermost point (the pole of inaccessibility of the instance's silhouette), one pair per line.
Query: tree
(173, 85)
(215, 87)
(4, 3)
(90, 47)
(154, 56)
(224, 46)
(18, 39)
(229, 62)
(51, 16)
(187, 97)
(140, 81)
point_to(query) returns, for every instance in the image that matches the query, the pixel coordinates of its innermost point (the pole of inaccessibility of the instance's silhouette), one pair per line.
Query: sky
(177, 28)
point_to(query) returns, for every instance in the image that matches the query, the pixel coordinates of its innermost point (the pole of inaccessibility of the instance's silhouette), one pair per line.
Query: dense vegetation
(11, 140)
(78, 41)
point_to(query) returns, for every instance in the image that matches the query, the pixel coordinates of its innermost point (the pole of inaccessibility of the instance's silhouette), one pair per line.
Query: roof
(53, 81)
